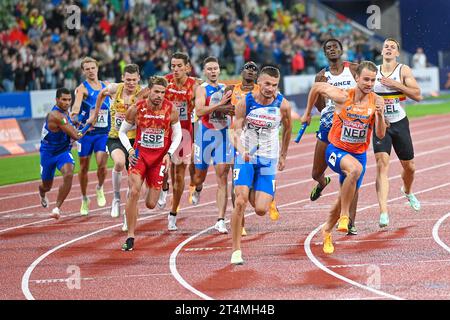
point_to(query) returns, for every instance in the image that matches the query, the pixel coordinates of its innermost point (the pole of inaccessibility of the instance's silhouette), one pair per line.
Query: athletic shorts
(150, 171)
(334, 156)
(50, 162)
(114, 143)
(212, 145)
(397, 136)
(92, 143)
(322, 134)
(258, 174)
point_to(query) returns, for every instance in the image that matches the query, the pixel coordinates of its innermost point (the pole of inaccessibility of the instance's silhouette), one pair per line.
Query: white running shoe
(55, 213)
(195, 197)
(162, 199)
(124, 226)
(172, 223)
(115, 208)
(44, 201)
(220, 226)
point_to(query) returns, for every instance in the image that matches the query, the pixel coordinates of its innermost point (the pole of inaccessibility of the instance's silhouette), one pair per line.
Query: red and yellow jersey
(239, 94)
(153, 130)
(183, 99)
(352, 127)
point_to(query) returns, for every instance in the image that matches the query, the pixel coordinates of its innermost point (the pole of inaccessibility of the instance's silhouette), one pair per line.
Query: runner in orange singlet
(357, 111)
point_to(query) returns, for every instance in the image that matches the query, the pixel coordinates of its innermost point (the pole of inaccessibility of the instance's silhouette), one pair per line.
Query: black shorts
(114, 143)
(397, 136)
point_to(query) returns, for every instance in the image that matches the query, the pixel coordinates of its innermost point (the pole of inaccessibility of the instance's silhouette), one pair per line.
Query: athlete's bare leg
(352, 169)
(382, 180)
(83, 174)
(409, 168)
(319, 163)
(64, 189)
(178, 185)
(131, 207)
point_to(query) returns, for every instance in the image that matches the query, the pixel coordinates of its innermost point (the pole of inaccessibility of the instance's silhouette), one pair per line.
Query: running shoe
(115, 208)
(317, 190)
(328, 247)
(124, 225)
(384, 220)
(172, 222)
(162, 199)
(101, 201)
(343, 224)
(44, 201)
(84, 210)
(274, 214)
(352, 231)
(56, 213)
(413, 202)
(128, 245)
(236, 258)
(220, 226)
(243, 232)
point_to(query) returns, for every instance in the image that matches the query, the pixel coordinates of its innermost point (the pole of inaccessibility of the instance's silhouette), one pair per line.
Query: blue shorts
(92, 143)
(258, 175)
(211, 144)
(334, 156)
(50, 162)
(322, 134)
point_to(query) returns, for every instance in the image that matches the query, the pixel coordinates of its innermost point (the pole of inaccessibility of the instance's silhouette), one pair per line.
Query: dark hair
(181, 55)
(366, 65)
(329, 40)
(271, 71)
(131, 68)
(393, 40)
(210, 59)
(62, 91)
(157, 80)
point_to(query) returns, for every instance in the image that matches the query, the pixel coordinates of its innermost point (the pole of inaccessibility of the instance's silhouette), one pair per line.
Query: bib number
(354, 132)
(102, 119)
(152, 138)
(182, 110)
(119, 118)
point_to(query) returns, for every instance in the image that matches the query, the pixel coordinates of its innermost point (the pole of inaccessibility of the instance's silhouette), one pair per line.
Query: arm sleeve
(124, 128)
(176, 137)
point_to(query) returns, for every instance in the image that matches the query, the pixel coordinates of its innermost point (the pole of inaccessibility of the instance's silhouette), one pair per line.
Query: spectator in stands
(419, 59)
(447, 85)
(7, 74)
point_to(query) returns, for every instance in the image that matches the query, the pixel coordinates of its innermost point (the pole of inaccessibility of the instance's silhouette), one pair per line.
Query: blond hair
(88, 60)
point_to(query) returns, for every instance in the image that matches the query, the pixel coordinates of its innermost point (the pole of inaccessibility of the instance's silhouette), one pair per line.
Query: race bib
(102, 119)
(391, 106)
(119, 118)
(354, 132)
(182, 110)
(152, 138)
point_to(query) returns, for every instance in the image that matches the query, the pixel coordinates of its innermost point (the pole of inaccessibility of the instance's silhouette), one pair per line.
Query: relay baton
(86, 128)
(301, 132)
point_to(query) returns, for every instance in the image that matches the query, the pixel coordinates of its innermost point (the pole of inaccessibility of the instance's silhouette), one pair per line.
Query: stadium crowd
(39, 51)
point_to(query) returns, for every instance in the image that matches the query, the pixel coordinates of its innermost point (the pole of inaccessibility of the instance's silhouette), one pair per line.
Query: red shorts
(151, 171)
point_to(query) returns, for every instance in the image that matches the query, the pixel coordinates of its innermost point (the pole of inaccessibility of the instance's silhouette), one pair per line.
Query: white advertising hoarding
(427, 79)
(42, 102)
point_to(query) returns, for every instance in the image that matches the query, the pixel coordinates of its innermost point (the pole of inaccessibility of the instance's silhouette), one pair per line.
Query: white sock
(116, 178)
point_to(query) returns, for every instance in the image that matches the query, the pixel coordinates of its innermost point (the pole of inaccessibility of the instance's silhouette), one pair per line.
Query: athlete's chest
(266, 118)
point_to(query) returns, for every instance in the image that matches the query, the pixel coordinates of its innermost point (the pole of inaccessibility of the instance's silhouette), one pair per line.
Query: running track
(409, 259)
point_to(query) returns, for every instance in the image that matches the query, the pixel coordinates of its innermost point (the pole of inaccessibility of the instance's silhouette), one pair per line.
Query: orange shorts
(151, 172)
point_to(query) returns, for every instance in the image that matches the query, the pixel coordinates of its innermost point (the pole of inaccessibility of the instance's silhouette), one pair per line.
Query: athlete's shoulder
(320, 76)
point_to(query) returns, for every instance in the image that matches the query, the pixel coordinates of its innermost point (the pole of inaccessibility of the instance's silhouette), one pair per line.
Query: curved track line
(185, 284)
(436, 232)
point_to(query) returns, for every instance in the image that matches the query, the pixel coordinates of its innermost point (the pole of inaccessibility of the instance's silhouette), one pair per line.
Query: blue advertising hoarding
(15, 105)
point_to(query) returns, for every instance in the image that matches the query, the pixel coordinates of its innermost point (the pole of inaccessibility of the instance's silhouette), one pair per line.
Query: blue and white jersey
(215, 120)
(344, 80)
(55, 142)
(261, 127)
(103, 124)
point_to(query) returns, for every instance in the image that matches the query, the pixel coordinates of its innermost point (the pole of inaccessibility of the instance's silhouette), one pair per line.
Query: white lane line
(436, 232)
(184, 283)
(62, 280)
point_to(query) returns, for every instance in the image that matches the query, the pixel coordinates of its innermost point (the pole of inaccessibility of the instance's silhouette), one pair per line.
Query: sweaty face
(179, 68)
(366, 80)
(268, 85)
(64, 101)
(333, 50)
(90, 70)
(131, 80)
(212, 71)
(157, 94)
(390, 50)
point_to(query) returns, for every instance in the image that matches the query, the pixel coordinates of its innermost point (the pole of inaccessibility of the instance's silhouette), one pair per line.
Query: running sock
(99, 187)
(173, 214)
(199, 190)
(165, 189)
(221, 219)
(85, 198)
(116, 177)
